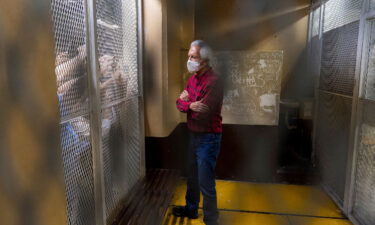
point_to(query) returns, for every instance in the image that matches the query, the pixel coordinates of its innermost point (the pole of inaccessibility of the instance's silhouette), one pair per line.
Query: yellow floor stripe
(231, 218)
(274, 198)
(317, 221)
(240, 218)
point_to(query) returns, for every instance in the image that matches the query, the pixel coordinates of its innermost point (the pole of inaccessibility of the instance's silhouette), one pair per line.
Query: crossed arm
(197, 106)
(202, 108)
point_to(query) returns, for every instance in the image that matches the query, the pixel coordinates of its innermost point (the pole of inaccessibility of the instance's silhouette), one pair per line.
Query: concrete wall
(154, 59)
(32, 189)
(260, 26)
(168, 27)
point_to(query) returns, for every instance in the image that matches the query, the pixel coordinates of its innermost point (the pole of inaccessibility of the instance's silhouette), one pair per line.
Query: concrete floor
(245, 203)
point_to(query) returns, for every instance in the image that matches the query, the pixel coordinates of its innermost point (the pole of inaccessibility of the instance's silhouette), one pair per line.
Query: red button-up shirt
(208, 88)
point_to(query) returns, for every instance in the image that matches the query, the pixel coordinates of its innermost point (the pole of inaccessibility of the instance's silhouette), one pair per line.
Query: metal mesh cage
(78, 170)
(70, 38)
(121, 141)
(341, 12)
(364, 185)
(315, 44)
(117, 47)
(369, 79)
(315, 55)
(314, 52)
(117, 41)
(338, 64)
(132, 139)
(69, 30)
(332, 137)
(339, 53)
(339, 48)
(364, 197)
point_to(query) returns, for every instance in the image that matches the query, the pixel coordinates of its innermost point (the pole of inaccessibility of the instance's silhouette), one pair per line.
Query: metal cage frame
(367, 16)
(318, 90)
(94, 110)
(95, 106)
(358, 102)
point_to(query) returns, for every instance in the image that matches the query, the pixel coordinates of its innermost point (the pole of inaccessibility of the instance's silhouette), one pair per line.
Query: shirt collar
(203, 72)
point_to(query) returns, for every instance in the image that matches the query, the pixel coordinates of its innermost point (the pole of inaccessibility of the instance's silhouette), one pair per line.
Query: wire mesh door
(116, 91)
(72, 91)
(362, 205)
(120, 98)
(340, 29)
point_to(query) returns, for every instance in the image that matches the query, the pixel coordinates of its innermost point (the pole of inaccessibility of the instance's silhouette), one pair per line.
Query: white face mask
(193, 66)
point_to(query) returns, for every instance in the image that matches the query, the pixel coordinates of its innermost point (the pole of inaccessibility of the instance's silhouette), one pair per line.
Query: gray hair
(205, 50)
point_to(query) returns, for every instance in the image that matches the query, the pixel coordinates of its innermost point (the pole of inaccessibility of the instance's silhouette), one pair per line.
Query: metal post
(321, 5)
(95, 111)
(140, 87)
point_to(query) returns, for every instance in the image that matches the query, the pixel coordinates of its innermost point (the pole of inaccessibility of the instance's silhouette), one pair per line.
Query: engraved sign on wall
(252, 86)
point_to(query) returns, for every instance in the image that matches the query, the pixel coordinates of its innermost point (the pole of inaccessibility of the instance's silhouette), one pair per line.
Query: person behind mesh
(72, 86)
(72, 92)
(75, 132)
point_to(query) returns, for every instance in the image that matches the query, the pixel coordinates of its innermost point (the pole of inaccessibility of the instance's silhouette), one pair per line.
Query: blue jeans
(203, 151)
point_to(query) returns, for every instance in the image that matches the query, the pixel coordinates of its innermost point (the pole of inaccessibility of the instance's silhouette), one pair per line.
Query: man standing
(202, 101)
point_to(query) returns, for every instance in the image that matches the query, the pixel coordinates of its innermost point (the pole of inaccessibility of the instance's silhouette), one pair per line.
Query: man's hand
(184, 96)
(199, 107)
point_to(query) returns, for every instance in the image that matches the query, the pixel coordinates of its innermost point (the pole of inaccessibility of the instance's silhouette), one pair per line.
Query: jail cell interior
(90, 133)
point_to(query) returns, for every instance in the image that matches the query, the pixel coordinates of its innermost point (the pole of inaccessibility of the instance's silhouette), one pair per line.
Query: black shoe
(181, 211)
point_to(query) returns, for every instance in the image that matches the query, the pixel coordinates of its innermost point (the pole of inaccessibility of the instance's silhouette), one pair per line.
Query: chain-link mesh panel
(69, 29)
(332, 137)
(315, 44)
(369, 79)
(72, 90)
(117, 47)
(341, 12)
(77, 161)
(315, 55)
(121, 141)
(339, 50)
(364, 197)
(339, 53)
(315, 22)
